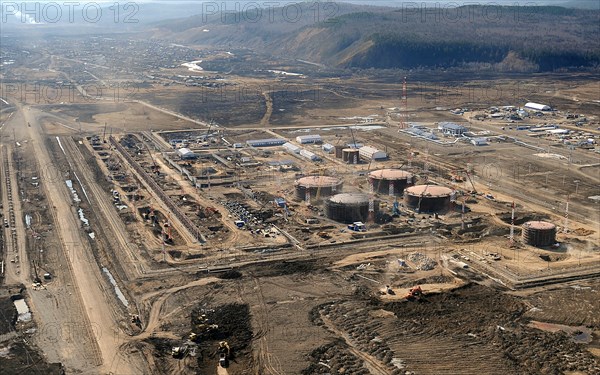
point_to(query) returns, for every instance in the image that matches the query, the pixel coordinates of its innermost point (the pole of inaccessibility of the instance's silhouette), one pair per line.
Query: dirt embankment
(469, 330)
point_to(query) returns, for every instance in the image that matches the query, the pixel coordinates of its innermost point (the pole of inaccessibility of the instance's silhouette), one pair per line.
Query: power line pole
(403, 107)
(512, 225)
(566, 228)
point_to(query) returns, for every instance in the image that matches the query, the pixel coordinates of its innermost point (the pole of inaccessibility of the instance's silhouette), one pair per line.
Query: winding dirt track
(154, 316)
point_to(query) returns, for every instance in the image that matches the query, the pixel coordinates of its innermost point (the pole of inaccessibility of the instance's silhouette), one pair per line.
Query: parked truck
(357, 226)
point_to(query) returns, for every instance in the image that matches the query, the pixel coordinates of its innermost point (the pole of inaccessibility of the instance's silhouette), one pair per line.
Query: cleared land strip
(87, 278)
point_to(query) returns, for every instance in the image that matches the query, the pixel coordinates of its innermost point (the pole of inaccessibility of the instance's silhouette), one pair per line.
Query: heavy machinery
(418, 210)
(474, 191)
(396, 208)
(456, 177)
(357, 226)
(224, 352)
(324, 235)
(154, 168)
(179, 351)
(415, 293)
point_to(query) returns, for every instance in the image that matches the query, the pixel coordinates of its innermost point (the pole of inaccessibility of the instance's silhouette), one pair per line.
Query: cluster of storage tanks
(351, 207)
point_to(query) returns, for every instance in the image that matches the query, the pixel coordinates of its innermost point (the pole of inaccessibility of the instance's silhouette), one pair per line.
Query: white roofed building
(290, 147)
(371, 153)
(311, 138)
(451, 128)
(537, 106)
(186, 153)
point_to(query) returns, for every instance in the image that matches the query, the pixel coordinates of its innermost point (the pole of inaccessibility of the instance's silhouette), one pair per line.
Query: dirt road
(88, 293)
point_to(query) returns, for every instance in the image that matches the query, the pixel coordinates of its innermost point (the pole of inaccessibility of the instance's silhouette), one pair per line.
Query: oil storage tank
(539, 233)
(349, 207)
(390, 181)
(428, 198)
(351, 155)
(324, 185)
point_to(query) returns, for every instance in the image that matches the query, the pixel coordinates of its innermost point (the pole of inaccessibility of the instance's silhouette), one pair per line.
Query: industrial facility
(248, 211)
(390, 181)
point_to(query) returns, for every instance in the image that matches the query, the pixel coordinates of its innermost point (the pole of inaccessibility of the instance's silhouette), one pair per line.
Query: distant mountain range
(355, 35)
(512, 38)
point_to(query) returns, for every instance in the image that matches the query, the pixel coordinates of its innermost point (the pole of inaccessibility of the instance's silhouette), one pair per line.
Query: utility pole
(512, 225)
(403, 107)
(371, 199)
(566, 228)
(462, 214)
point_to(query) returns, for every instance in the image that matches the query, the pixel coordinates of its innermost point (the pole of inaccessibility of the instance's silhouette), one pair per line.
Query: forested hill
(514, 38)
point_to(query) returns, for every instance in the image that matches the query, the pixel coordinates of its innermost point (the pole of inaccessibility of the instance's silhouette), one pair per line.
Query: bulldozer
(415, 293)
(324, 235)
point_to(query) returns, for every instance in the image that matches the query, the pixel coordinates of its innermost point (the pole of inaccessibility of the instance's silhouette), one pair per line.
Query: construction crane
(471, 181)
(353, 142)
(210, 125)
(318, 194)
(154, 167)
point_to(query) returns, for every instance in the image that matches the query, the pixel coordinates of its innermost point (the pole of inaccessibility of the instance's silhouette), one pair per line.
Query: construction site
(402, 238)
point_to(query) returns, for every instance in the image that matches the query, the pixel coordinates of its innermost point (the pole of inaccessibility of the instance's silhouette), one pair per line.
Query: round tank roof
(390, 174)
(429, 190)
(350, 149)
(350, 198)
(542, 225)
(316, 181)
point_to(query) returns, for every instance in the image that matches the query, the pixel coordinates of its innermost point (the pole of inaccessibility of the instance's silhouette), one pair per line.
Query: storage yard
(367, 239)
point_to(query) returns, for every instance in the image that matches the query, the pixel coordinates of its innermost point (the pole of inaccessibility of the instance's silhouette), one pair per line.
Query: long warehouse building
(371, 153)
